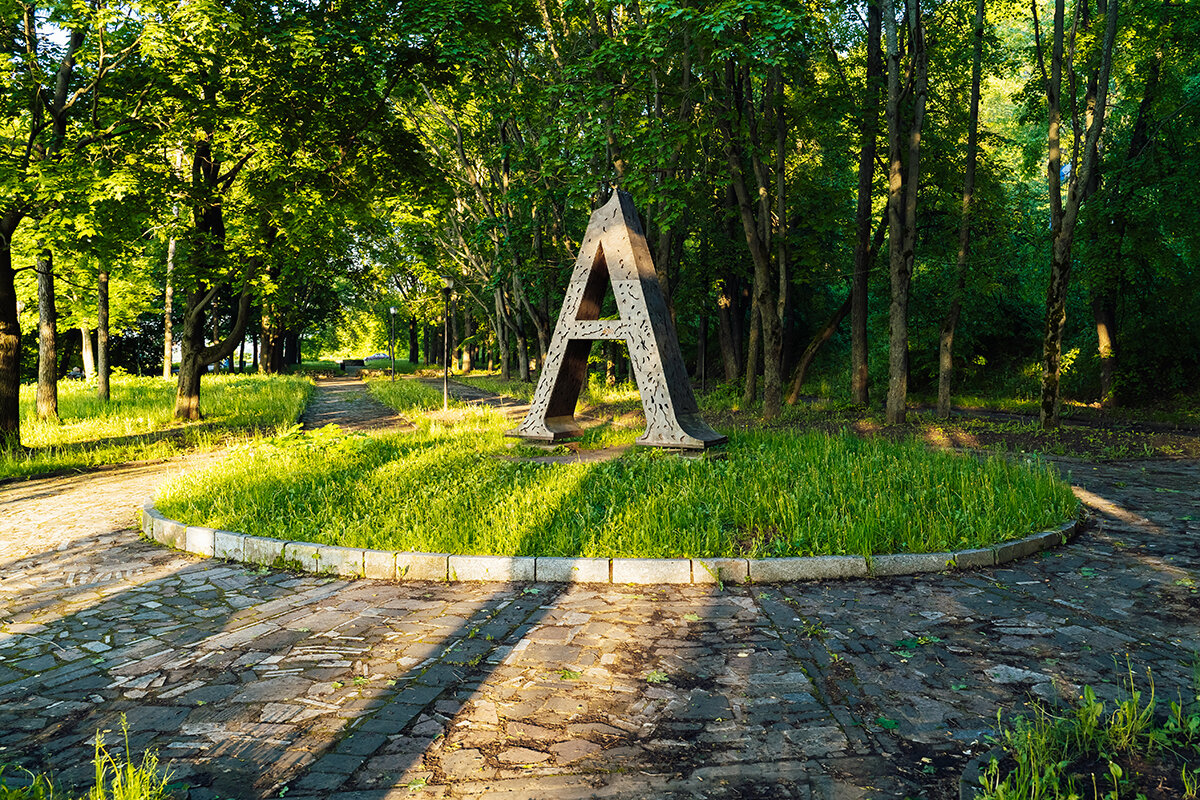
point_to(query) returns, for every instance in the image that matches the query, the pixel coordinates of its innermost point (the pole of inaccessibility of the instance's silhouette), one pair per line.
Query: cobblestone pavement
(250, 682)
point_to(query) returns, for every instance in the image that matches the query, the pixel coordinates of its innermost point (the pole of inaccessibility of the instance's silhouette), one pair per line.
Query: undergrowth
(116, 778)
(1083, 753)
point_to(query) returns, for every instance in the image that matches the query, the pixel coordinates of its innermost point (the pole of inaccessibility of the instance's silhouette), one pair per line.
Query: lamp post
(447, 287)
(392, 343)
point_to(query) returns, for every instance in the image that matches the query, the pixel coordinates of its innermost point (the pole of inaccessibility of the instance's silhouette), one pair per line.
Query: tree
(1085, 152)
(946, 338)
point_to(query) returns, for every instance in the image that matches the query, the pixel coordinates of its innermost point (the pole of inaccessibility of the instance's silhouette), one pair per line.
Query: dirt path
(248, 681)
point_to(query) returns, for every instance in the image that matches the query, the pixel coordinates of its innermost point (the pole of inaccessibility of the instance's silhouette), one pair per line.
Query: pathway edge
(393, 565)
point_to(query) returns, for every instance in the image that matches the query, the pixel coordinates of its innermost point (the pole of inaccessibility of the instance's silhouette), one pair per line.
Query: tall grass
(454, 486)
(1078, 752)
(116, 778)
(138, 423)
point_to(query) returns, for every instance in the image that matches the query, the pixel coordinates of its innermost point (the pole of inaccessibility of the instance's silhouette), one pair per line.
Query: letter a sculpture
(614, 249)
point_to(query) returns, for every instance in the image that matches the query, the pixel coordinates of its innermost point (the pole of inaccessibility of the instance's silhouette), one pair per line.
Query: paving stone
(571, 751)
(572, 570)
(490, 568)
(522, 755)
(463, 764)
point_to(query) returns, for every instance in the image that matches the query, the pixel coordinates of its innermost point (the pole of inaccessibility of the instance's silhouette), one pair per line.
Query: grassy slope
(455, 486)
(137, 423)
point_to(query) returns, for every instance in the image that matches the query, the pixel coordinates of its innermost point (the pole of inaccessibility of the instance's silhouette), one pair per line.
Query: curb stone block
(910, 563)
(651, 570)
(174, 534)
(149, 514)
(379, 565)
(422, 566)
(201, 541)
(228, 545)
(304, 557)
(727, 570)
(572, 570)
(1009, 551)
(814, 568)
(344, 561)
(491, 568)
(262, 550)
(982, 557)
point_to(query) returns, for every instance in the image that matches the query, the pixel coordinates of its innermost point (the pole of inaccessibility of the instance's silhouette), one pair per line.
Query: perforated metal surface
(614, 252)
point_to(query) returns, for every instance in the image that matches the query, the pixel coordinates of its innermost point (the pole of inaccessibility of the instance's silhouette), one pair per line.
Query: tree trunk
(102, 371)
(946, 337)
(10, 341)
(902, 198)
(1105, 313)
(168, 296)
(814, 346)
(414, 348)
(88, 353)
(859, 375)
(1065, 215)
(47, 387)
(196, 356)
(750, 391)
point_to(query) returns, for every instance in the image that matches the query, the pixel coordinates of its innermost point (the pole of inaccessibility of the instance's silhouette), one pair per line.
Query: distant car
(378, 357)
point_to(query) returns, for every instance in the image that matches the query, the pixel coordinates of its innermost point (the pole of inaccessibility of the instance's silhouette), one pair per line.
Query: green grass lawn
(458, 485)
(137, 423)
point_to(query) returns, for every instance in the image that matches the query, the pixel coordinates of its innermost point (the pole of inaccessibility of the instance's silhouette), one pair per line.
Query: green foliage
(455, 485)
(137, 423)
(116, 778)
(1054, 753)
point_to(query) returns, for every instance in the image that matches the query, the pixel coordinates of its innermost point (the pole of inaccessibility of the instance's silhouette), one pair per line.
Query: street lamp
(447, 287)
(392, 343)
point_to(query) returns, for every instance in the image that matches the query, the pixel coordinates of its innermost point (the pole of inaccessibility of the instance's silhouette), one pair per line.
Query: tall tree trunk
(902, 198)
(10, 341)
(946, 336)
(88, 353)
(47, 386)
(859, 375)
(102, 370)
(168, 296)
(1065, 215)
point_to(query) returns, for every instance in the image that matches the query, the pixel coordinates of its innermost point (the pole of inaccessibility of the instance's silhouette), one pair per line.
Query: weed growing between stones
(1085, 754)
(117, 778)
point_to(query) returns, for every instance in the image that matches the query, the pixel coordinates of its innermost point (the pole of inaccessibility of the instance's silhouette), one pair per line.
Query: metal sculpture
(614, 252)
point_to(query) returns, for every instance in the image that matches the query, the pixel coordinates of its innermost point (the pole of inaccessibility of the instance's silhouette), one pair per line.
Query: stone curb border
(353, 562)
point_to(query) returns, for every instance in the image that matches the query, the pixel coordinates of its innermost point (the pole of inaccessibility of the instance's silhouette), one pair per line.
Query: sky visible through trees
(820, 199)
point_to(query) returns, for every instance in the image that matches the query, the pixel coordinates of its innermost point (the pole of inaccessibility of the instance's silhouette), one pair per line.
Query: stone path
(254, 683)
